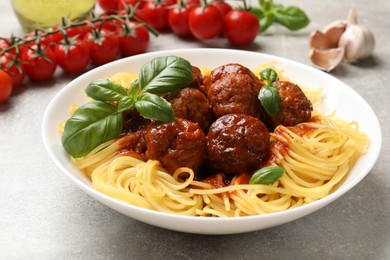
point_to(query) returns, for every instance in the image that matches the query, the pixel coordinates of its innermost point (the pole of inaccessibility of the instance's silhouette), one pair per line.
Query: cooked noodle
(315, 164)
(316, 156)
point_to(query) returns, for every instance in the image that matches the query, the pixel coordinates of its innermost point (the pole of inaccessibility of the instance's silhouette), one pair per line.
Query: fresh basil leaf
(151, 106)
(126, 103)
(134, 89)
(165, 74)
(266, 21)
(105, 90)
(267, 175)
(269, 75)
(258, 12)
(291, 17)
(266, 5)
(91, 125)
(270, 99)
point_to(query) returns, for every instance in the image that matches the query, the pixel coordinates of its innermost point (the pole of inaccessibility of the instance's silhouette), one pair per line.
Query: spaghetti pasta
(316, 160)
(316, 156)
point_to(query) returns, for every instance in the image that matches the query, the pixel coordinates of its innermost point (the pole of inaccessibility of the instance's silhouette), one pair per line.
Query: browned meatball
(295, 106)
(181, 143)
(133, 121)
(134, 141)
(191, 104)
(198, 77)
(230, 68)
(234, 89)
(237, 143)
(235, 93)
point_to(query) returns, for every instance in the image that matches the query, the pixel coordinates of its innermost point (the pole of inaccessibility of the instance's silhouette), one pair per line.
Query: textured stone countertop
(43, 215)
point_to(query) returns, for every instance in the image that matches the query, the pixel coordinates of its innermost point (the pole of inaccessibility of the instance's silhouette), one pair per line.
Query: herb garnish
(267, 175)
(98, 121)
(269, 95)
(290, 17)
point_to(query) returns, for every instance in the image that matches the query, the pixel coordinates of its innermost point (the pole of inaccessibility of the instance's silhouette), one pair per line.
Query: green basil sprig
(291, 17)
(267, 175)
(98, 121)
(269, 95)
(164, 75)
(91, 125)
(269, 75)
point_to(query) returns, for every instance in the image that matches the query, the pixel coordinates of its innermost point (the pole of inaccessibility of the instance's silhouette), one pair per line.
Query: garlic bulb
(334, 30)
(340, 40)
(318, 40)
(327, 59)
(358, 40)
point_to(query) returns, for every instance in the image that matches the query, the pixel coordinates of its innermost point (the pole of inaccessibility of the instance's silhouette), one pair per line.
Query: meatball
(237, 143)
(230, 68)
(133, 121)
(191, 104)
(198, 77)
(295, 106)
(134, 141)
(181, 143)
(234, 89)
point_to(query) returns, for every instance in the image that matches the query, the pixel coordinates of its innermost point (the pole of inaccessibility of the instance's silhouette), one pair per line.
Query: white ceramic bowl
(337, 96)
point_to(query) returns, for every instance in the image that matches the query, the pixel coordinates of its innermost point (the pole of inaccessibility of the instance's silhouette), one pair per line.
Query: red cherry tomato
(40, 62)
(205, 23)
(78, 31)
(103, 48)
(157, 14)
(4, 44)
(110, 25)
(138, 3)
(136, 41)
(222, 6)
(72, 57)
(240, 27)
(5, 86)
(192, 3)
(15, 69)
(141, 15)
(109, 5)
(178, 20)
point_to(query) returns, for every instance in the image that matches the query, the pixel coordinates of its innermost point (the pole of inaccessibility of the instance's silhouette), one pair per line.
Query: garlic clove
(327, 59)
(334, 30)
(318, 40)
(358, 40)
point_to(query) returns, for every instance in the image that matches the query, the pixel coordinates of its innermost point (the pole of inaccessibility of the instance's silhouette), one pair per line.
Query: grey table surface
(44, 216)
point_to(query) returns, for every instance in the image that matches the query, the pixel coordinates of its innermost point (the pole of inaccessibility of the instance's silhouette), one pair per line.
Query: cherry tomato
(138, 3)
(78, 31)
(15, 69)
(5, 86)
(178, 20)
(205, 22)
(40, 62)
(109, 5)
(192, 3)
(110, 25)
(72, 57)
(222, 6)
(240, 27)
(135, 41)
(45, 40)
(103, 47)
(4, 43)
(141, 15)
(157, 14)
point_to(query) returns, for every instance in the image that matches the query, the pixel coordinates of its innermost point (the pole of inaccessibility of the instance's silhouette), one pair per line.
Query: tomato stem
(203, 4)
(245, 5)
(16, 42)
